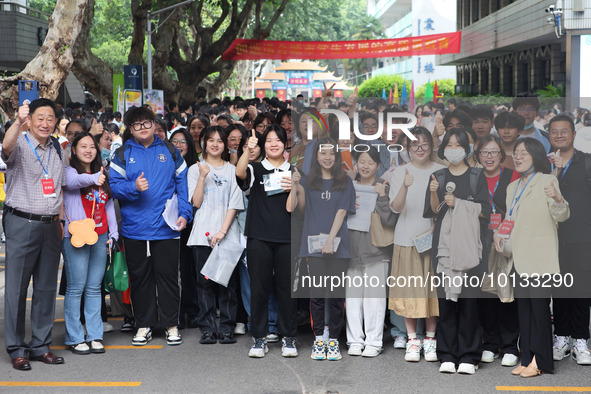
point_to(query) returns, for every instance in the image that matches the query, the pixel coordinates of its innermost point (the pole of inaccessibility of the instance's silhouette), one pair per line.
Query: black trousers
(571, 305)
(327, 267)
(535, 330)
(189, 303)
(458, 331)
(269, 265)
(500, 326)
(32, 250)
(206, 295)
(154, 281)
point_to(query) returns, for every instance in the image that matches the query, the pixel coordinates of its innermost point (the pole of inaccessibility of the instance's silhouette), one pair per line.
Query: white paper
(317, 242)
(366, 198)
(171, 212)
(273, 180)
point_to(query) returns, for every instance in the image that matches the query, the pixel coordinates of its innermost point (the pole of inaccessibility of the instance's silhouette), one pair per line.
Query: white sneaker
(319, 350)
(173, 337)
(561, 347)
(581, 352)
(413, 350)
(488, 356)
(240, 329)
(259, 348)
(447, 367)
(430, 349)
(509, 360)
(272, 337)
(371, 351)
(400, 342)
(107, 327)
(333, 352)
(142, 336)
(288, 347)
(355, 349)
(97, 347)
(467, 369)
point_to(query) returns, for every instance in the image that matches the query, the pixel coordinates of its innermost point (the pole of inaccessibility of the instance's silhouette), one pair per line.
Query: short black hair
(526, 99)
(135, 114)
(463, 117)
(41, 102)
(207, 132)
(509, 120)
(537, 152)
(562, 118)
(461, 134)
(482, 111)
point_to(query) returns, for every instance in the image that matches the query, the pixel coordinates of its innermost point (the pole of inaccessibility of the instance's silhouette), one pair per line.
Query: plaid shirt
(24, 173)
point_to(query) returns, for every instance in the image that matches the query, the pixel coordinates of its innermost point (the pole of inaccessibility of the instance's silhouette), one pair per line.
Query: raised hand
(23, 112)
(553, 193)
(253, 141)
(203, 170)
(295, 177)
(433, 185)
(141, 183)
(380, 188)
(102, 177)
(409, 179)
(328, 92)
(351, 173)
(557, 160)
(353, 98)
(439, 129)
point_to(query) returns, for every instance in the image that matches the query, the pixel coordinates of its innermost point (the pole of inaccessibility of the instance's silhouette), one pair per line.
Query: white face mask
(454, 156)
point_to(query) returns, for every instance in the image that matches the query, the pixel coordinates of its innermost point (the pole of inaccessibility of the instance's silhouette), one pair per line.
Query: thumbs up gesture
(380, 188)
(296, 177)
(553, 193)
(203, 170)
(252, 141)
(102, 177)
(557, 160)
(433, 185)
(408, 178)
(141, 183)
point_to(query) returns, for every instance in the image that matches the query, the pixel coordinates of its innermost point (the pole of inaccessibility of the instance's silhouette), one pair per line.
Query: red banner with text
(435, 44)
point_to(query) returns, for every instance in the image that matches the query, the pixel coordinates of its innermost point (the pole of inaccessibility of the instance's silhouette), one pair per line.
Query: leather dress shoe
(48, 358)
(517, 371)
(21, 363)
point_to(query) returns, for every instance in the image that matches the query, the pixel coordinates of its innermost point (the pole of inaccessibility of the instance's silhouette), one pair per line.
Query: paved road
(192, 367)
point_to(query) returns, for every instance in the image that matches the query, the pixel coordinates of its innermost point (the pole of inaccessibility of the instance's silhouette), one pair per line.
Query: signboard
(261, 93)
(299, 81)
(155, 99)
(133, 76)
(133, 98)
(585, 64)
(118, 88)
(27, 90)
(281, 94)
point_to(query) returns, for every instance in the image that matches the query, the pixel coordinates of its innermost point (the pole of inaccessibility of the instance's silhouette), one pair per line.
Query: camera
(550, 8)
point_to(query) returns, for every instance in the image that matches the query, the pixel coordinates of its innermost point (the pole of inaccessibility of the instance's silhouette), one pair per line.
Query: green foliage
(446, 88)
(114, 54)
(46, 6)
(552, 91)
(374, 86)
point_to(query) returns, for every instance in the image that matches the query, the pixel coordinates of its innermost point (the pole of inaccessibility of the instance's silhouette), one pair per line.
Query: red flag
(390, 99)
(435, 91)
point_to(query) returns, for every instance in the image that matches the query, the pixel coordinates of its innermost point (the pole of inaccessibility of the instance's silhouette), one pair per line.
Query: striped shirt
(24, 173)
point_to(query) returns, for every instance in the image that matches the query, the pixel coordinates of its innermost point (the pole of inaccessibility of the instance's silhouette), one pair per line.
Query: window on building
(495, 80)
(508, 77)
(475, 10)
(484, 81)
(523, 77)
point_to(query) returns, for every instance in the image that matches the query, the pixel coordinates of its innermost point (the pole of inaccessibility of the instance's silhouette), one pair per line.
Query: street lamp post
(150, 31)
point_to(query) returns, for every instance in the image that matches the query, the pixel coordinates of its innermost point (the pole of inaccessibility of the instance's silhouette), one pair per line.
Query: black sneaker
(207, 338)
(226, 337)
(128, 324)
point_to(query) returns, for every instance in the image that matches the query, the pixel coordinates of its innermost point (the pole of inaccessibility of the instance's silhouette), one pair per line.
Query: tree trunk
(54, 61)
(139, 13)
(96, 75)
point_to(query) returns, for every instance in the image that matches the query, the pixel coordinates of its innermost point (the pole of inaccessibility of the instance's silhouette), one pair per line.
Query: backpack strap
(120, 152)
(57, 145)
(440, 177)
(171, 148)
(474, 174)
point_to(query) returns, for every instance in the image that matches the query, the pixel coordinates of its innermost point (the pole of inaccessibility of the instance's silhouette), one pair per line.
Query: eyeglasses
(262, 126)
(146, 124)
(179, 142)
(370, 127)
(423, 147)
(520, 155)
(527, 109)
(492, 153)
(563, 132)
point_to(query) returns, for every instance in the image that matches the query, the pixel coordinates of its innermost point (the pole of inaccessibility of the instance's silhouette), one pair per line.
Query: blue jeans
(245, 292)
(85, 269)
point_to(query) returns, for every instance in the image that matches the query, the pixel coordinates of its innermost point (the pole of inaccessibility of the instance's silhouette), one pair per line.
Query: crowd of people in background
(490, 191)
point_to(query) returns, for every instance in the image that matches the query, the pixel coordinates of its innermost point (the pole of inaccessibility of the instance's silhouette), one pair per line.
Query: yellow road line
(72, 384)
(115, 347)
(543, 388)
(57, 298)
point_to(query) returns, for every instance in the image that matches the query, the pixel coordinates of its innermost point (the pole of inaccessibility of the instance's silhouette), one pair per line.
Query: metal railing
(16, 7)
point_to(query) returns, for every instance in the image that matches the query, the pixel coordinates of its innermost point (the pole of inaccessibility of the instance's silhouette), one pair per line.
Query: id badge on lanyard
(48, 187)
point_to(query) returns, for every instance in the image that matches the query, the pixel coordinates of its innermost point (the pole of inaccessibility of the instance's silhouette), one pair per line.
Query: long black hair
(95, 165)
(339, 178)
(537, 152)
(208, 132)
(191, 155)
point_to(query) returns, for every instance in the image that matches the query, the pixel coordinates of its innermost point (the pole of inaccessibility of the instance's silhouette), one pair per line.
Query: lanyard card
(48, 187)
(506, 228)
(495, 221)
